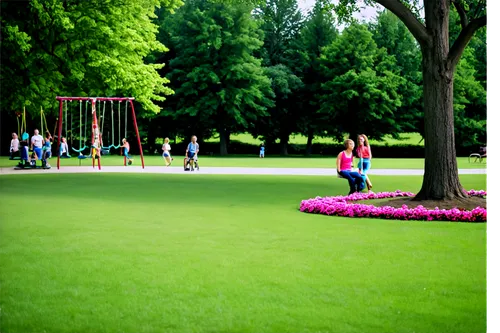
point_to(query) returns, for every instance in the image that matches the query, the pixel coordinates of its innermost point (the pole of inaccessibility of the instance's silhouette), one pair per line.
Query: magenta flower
(339, 206)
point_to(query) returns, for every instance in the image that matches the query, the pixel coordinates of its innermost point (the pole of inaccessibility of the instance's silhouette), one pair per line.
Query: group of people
(40, 146)
(345, 161)
(190, 158)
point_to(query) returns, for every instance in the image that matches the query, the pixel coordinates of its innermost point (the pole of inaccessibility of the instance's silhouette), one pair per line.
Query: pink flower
(339, 206)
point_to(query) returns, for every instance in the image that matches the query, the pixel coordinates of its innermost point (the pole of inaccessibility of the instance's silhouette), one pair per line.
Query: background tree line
(215, 69)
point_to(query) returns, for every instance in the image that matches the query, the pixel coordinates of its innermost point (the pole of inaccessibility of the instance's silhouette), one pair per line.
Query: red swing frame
(94, 122)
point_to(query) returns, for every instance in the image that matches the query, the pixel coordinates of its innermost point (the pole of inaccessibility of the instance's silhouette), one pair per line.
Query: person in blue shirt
(191, 152)
(46, 149)
(262, 149)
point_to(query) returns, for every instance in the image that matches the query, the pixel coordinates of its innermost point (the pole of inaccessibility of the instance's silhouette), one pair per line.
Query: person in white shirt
(64, 150)
(14, 146)
(37, 144)
(166, 152)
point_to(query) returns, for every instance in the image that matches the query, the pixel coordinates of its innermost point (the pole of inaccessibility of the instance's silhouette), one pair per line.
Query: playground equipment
(97, 125)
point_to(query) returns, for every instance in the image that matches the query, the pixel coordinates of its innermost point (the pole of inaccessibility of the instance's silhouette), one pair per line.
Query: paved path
(227, 171)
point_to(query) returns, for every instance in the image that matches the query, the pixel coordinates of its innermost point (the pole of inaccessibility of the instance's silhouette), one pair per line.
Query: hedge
(326, 149)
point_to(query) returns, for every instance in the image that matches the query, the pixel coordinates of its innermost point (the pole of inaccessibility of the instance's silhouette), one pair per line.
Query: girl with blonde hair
(166, 152)
(345, 160)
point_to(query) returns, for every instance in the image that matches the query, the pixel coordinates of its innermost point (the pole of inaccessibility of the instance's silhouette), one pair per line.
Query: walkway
(228, 171)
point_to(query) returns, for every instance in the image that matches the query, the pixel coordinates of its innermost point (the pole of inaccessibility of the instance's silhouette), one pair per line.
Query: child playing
(126, 148)
(97, 142)
(64, 150)
(47, 149)
(262, 149)
(345, 160)
(166, 152)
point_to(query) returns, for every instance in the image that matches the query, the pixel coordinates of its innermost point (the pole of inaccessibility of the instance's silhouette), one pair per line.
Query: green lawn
(213, 253)
(406, 138)
(255, 162)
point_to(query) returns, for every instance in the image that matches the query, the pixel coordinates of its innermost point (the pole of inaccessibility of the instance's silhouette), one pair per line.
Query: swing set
(97, 126)
(22, 127)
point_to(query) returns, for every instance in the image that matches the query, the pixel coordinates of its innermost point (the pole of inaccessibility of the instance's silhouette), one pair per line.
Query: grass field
(206, 253)
(405, 138)
(268, 162)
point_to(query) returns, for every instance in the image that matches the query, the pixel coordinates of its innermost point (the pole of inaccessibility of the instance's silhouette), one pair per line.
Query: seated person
(192, 153)
(63, 149)
(37, 144)
(14, 147)
(25, 158)
(345, 161)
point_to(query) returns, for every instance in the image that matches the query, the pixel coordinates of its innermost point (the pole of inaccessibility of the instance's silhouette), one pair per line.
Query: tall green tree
(361, 93)
(439, 61)
(281, 120)
(80, 48)
(317, 32)
(390, 33)
(218, 80)
(469, 103)
(281, 23)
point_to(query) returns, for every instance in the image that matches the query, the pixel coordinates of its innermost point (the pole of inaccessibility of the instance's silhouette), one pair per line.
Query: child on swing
(64, 149)
(126, 148)
(166, 152)
(46, 149)
(14, 146)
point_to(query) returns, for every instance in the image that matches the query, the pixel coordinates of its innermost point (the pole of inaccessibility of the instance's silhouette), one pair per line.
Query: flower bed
(339, 206)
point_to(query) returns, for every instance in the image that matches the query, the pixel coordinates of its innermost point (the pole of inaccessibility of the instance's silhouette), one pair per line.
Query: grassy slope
(179, 253)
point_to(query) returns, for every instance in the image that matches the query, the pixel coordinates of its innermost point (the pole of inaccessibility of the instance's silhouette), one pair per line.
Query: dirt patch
(466, 204)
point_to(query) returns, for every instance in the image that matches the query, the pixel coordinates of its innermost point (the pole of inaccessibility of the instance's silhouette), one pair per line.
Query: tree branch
(463, 39)
(464, 21)
(417, 29)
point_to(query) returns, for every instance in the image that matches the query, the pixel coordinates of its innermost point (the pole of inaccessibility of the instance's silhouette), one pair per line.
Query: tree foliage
(80, 48)
(361, 94)
(219, 83)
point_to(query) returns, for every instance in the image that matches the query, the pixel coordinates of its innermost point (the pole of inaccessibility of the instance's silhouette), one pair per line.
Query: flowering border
(340, 206)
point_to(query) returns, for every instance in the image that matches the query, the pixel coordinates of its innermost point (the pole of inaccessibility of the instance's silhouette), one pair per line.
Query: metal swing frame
(95, 124)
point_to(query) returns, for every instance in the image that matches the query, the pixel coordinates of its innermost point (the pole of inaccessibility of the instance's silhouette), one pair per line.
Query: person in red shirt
(364, 153)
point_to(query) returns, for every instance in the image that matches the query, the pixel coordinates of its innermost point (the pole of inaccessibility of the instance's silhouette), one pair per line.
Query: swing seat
(104, 151)
(79, 150)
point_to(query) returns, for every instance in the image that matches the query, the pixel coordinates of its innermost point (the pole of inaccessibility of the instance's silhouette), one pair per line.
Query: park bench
(484, 153)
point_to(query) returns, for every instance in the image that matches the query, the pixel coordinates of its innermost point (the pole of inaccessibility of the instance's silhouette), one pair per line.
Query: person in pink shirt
(364, 153)
(345, 160)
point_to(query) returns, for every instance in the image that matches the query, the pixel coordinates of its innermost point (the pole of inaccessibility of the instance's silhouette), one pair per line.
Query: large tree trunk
(284, 138)
(310, 137)
(441, 173)
(224, 140)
